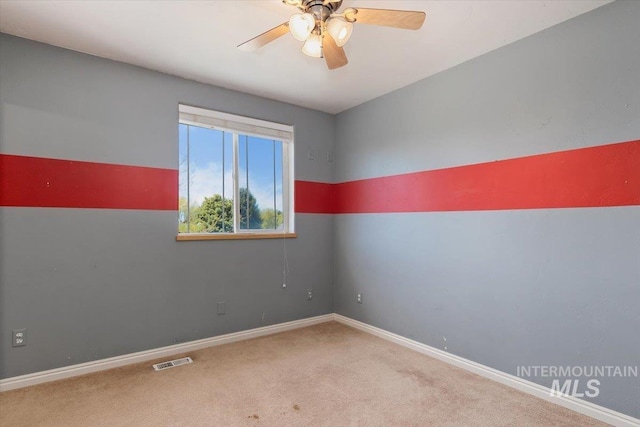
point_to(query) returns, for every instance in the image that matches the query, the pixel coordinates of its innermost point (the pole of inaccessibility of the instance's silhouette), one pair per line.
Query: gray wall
(95, 283)
(505, 288)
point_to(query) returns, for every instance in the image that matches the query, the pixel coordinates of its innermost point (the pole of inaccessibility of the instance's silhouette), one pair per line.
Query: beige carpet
(324, 375)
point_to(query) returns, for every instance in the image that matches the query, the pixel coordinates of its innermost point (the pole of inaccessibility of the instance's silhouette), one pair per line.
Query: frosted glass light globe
(313, 46)
(301, 25)
(340, 30)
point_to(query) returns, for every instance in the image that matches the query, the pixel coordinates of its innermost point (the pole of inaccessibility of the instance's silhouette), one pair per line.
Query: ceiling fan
(324, 31)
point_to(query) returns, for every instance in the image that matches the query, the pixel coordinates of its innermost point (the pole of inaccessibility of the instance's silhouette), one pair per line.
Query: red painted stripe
(40, 182)
(607, 175)
(314, 197)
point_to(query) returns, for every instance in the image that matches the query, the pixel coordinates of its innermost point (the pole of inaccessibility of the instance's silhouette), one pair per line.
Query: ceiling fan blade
(265, 38)
(333, 54)
(405, 19)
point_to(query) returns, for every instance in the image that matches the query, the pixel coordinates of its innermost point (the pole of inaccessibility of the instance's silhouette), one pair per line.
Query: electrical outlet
(221, 308)
(359, 298)
(19, 337)
(309, 294)
(329, 156)
(311, 155)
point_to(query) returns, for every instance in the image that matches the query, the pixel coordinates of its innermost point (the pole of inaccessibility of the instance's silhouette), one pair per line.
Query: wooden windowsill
(234, 236)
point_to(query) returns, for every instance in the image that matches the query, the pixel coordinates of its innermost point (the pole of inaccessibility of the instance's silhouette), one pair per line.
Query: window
(235, 177)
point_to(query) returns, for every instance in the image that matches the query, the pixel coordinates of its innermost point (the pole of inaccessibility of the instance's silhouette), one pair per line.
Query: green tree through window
(216, 215)
(249, 210)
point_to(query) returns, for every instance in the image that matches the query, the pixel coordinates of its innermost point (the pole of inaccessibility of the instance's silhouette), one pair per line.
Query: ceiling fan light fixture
(301, 25)
(340, 29)
(324, 31)
(313, 46)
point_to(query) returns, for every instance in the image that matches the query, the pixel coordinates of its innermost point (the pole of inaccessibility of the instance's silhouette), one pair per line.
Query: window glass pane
(183, 177)
(228, 166)
(279, 221)
(208, 211)
(260, 182)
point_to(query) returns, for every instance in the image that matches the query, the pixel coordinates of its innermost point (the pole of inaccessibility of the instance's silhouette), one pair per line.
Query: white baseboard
(581, 406)
(142, 356)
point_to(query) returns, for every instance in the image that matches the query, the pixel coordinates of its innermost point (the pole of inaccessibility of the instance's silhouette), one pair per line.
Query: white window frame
(235, 124)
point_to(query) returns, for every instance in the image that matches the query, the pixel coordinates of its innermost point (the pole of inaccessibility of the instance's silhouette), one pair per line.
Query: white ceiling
(198, 39)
